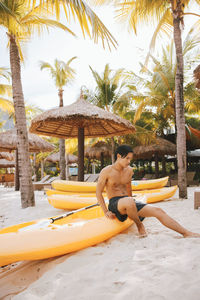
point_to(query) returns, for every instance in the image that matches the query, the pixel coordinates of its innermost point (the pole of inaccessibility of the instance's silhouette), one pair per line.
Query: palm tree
(20, 24)
(109, 93)
(20, 21)
(159, 86)
(168, 14)
(62, 74)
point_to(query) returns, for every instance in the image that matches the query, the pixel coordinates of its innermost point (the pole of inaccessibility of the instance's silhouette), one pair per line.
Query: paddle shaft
(72, 212)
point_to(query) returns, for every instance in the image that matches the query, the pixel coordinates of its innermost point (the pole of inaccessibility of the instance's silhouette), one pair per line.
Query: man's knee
(130, 204)
(127, 205)
(159, 212)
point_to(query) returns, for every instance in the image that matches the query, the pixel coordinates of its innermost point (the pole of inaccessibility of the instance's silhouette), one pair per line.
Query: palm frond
(89, 22)
(6, 105)
(6, 89)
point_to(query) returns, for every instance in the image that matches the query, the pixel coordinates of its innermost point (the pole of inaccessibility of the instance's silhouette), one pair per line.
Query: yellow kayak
(41, 239)
(50, 192)
(90, 187)
(138, 185)
(69, 202)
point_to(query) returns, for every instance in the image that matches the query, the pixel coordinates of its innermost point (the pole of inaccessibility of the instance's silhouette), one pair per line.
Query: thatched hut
(99, 150)
(156, 150)
(80, 119)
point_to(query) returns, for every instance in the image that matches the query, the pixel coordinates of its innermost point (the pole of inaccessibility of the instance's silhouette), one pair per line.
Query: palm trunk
(113, 149)
(179, 100)
(26, 186)
(62, 145)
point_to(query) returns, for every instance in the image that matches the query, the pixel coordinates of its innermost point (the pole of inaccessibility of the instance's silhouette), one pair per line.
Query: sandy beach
(162, 266)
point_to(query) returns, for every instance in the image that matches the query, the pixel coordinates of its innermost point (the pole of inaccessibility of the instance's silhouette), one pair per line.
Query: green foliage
(61, 72)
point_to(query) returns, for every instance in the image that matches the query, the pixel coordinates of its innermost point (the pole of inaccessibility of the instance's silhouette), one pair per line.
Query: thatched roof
(7, 164)
(8, 142)
(7, 156)
(64, 121)
(160, 147)
(55, 157)
(98, 149)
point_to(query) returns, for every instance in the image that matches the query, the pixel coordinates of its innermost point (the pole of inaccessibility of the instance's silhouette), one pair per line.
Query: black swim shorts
(112, 206)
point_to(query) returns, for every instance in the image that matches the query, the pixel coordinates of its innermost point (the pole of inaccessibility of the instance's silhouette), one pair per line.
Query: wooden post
(42, 168)
(156, 166)
(197, 199)
(80, 154)
(34, 167)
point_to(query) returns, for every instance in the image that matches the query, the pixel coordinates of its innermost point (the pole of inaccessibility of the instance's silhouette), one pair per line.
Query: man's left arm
(129, 185)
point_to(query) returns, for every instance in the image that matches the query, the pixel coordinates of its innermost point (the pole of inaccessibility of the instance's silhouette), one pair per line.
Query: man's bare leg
(166, 220)
(127, 206)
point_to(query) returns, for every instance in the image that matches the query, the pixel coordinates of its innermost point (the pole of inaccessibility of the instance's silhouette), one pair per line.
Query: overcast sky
(39, 88)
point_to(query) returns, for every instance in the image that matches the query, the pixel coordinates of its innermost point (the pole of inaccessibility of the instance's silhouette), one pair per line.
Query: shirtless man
(117, 180)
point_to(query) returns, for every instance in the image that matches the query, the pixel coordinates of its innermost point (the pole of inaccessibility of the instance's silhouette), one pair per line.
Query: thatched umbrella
(9, 140)
(159, 148)
(99, 150)
(7, 155)
(80, 119)
(69, 158)
(55, 157)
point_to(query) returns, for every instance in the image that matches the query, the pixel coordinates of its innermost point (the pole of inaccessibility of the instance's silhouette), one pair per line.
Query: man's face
(125, 161)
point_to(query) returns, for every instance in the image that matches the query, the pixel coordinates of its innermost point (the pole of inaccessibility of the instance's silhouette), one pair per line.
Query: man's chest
(119, 178)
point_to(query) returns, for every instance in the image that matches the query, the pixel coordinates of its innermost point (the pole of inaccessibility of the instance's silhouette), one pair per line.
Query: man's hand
(110, 215)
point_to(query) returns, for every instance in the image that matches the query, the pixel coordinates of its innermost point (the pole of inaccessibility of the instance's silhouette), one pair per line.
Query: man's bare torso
(117, 181)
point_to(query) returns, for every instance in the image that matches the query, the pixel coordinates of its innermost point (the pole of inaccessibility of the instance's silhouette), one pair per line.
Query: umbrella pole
(80, 154)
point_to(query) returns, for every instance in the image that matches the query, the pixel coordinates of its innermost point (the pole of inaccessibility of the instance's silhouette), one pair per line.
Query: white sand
(161, 266)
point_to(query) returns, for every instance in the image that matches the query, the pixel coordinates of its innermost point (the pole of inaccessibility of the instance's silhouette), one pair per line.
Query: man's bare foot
(141, 230)
(190, 234)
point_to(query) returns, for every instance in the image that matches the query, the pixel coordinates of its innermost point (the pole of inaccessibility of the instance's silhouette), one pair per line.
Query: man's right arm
(99, 190)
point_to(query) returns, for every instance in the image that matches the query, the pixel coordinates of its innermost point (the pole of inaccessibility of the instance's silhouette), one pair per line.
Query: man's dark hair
(123, 150)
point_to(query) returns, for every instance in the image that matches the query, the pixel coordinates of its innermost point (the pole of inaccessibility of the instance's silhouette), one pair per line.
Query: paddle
(52, 220)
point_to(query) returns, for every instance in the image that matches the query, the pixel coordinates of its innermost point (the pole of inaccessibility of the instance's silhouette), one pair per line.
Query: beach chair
(45, 178)
(86, 177)
(38, 186)
(93, 178)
